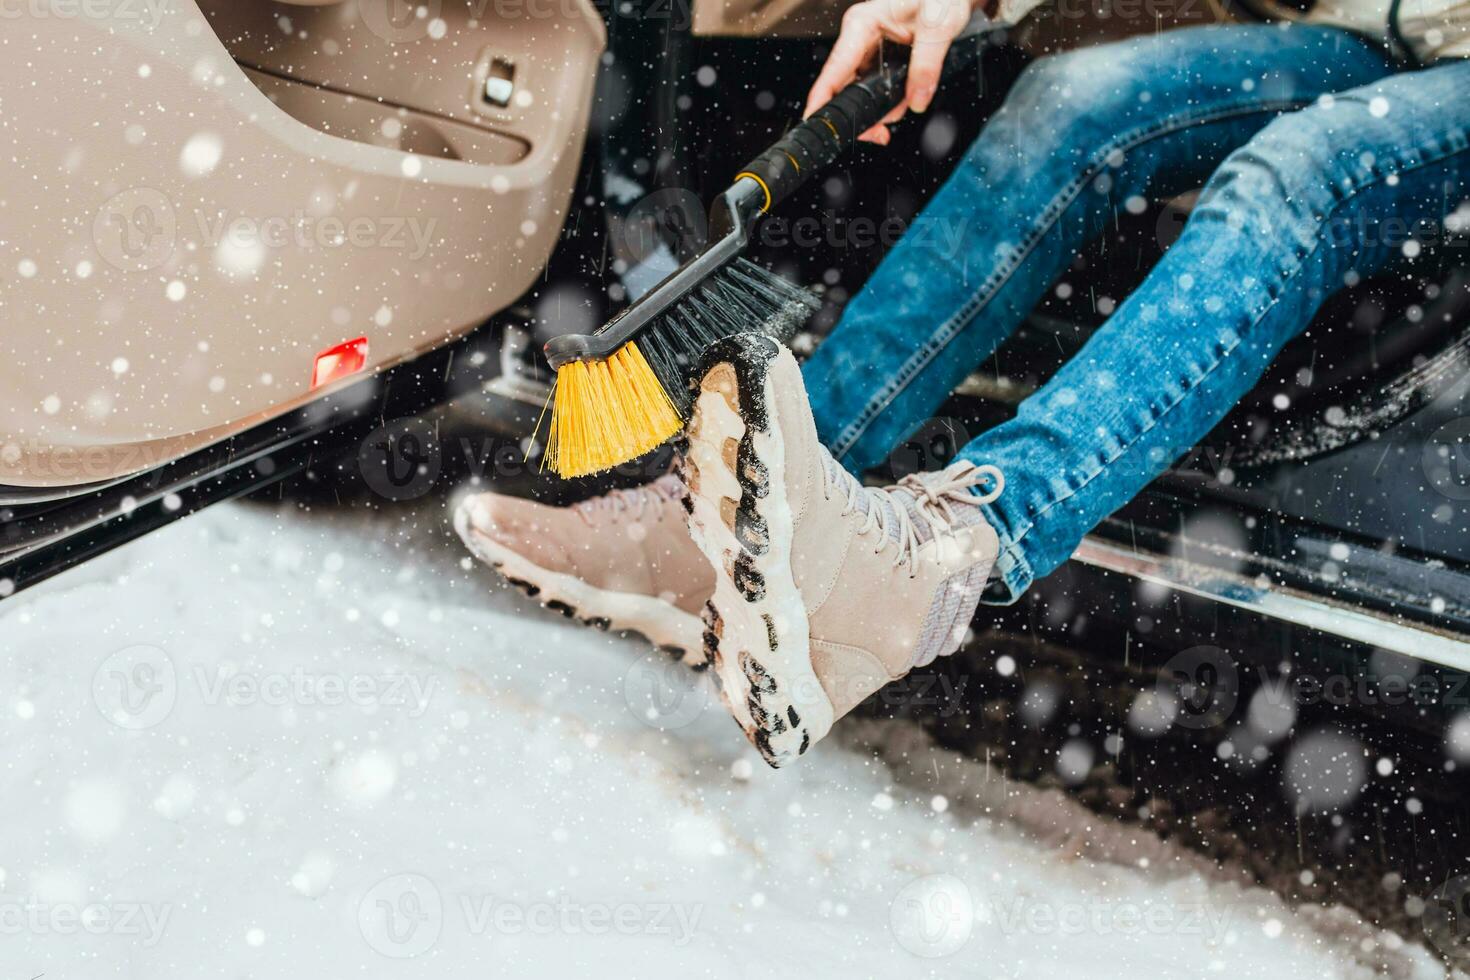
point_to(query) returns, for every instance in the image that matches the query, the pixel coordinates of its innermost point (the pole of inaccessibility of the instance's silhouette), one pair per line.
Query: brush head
(606, 412)
(740, 298)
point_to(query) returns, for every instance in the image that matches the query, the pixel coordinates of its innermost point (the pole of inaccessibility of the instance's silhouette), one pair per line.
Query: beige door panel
(433, 57)
(362, 120)
(1057, 25)
(176, 247)
(769, 18)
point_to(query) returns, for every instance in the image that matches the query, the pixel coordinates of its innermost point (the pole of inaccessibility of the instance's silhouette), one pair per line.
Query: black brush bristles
(740, 298)
(608, 410)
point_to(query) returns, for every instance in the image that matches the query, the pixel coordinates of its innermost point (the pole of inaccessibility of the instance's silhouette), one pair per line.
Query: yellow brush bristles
(607, 412)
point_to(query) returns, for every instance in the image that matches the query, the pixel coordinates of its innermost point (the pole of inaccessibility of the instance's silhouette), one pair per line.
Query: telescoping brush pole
(623, 390)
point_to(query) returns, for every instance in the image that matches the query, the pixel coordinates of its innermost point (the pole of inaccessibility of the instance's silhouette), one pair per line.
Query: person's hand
(928, 27)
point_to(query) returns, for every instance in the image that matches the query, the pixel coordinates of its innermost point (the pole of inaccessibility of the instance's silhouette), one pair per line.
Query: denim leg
(1079, 135)
(1286, 219)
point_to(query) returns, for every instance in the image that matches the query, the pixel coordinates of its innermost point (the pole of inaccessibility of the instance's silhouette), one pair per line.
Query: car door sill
(1281, 603)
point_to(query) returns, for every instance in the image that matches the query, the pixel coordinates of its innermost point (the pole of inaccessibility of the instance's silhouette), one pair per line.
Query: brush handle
(812, 145)
(818, 141)
(769, 179)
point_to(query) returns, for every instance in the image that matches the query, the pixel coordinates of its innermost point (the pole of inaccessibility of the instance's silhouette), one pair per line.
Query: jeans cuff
(1012, 574)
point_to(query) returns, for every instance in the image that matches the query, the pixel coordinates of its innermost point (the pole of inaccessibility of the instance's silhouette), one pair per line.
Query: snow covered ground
(269, 744)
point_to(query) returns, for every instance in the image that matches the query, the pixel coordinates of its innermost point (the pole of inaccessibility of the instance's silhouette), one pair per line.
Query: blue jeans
(1303, 138)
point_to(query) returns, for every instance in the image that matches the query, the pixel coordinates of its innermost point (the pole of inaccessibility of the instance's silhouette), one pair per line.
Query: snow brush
(623, 390)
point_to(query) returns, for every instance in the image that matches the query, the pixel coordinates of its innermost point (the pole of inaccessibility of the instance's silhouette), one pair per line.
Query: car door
(215, 211)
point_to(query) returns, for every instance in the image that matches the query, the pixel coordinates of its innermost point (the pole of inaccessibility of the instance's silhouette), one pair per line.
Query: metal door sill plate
(1281, 603)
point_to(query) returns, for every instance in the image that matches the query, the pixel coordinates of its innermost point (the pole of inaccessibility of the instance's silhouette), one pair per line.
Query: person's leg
(826, 590)
(1080, 136)
(1279, 227)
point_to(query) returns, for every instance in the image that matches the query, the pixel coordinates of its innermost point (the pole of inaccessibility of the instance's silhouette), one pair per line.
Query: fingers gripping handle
(827, 133)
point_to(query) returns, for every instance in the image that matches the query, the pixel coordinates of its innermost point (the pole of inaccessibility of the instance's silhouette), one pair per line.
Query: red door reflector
(335, 363)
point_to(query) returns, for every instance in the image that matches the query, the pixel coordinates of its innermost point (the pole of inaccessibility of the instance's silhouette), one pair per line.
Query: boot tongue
(635, 502)
(866, 497)
(950, 614)
(889, 499)
(669, 486)
(954, 607)
(923, 518)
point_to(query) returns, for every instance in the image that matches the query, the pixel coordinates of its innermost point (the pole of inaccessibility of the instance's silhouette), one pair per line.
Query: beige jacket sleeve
(1012, 11)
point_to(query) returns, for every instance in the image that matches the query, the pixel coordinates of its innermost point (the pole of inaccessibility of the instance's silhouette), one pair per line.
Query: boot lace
(634, 502)
(935, 495)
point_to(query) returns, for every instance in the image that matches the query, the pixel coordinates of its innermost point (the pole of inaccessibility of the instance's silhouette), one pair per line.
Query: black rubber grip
(832, 129)
(826, 134)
